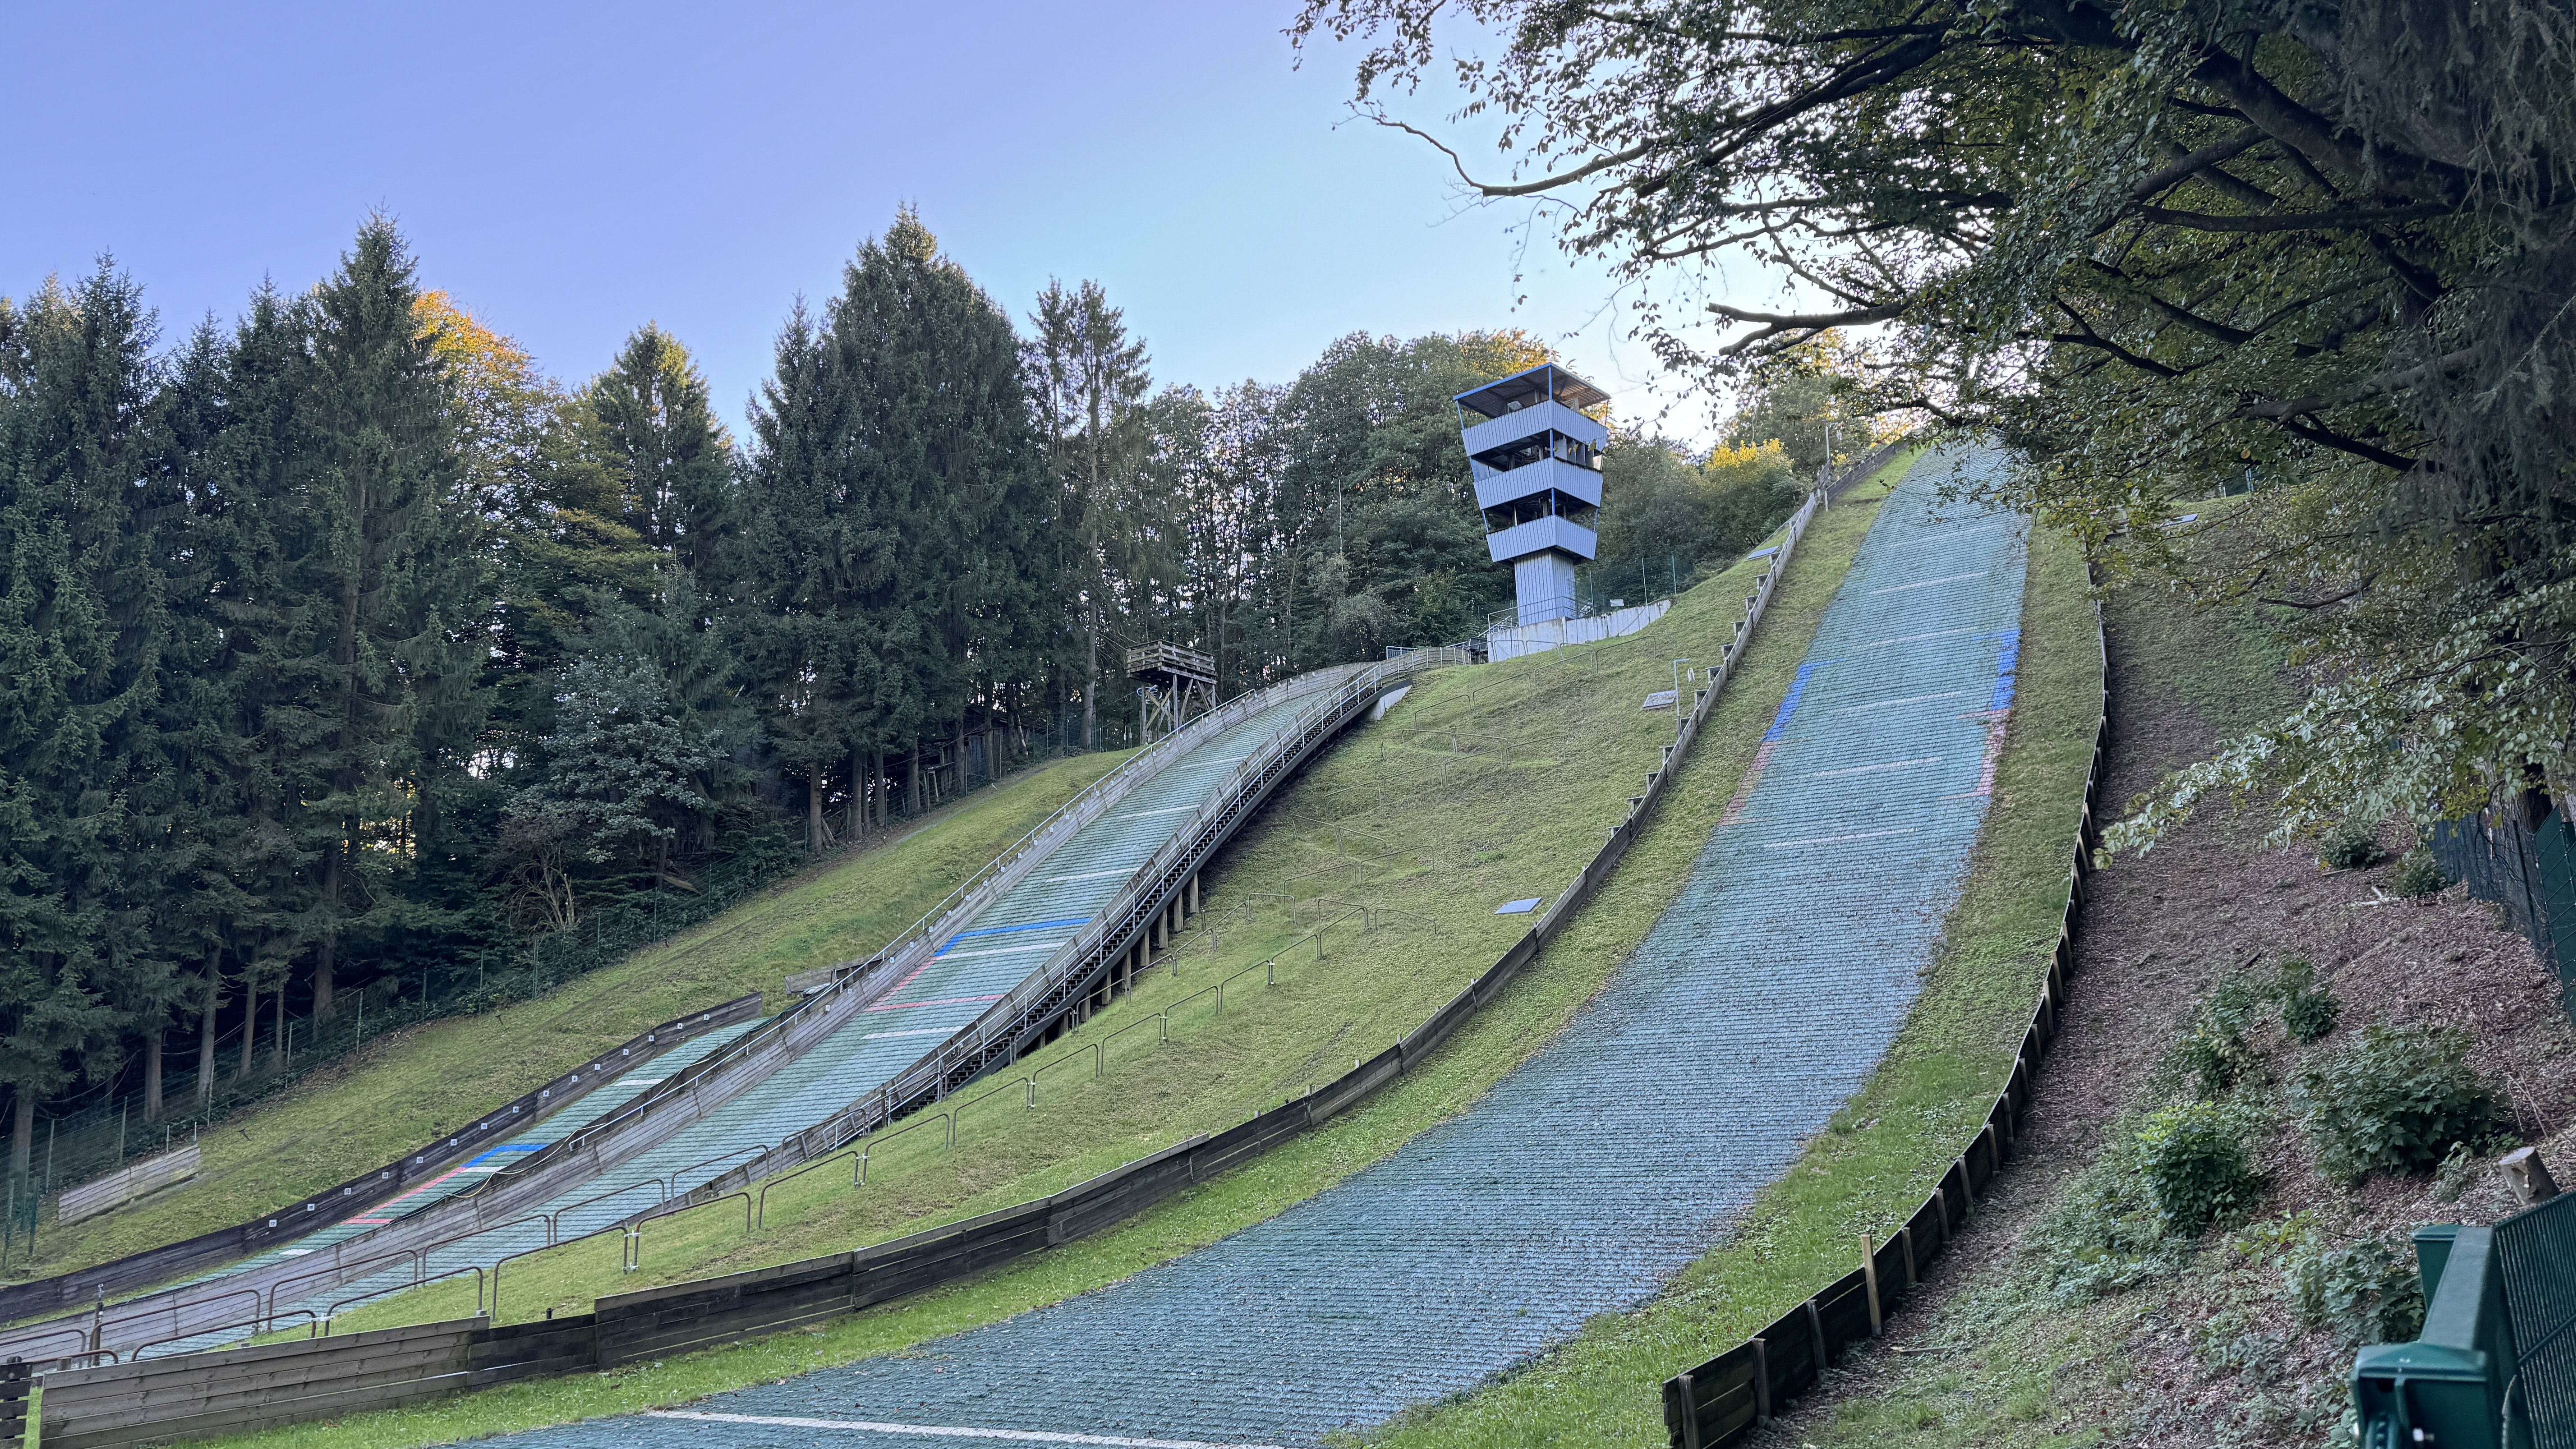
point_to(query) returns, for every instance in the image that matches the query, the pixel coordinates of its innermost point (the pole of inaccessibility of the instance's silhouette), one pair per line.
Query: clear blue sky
(568, 171)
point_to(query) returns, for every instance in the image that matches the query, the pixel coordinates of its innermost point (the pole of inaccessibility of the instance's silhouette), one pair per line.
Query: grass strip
(1885, 1149)
(1435, 795)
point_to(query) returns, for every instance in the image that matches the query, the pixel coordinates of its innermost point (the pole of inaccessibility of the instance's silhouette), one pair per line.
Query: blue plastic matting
(1584, 1180)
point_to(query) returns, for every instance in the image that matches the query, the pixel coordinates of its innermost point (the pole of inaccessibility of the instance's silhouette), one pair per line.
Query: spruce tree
(1113, 543)
(380, 560)
(82, 625)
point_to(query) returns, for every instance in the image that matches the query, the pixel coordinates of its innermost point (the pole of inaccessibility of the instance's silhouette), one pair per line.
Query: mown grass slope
(407, 1087)
(1438, 832)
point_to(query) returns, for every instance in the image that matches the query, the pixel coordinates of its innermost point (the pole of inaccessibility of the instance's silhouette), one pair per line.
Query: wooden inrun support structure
(1178, 685)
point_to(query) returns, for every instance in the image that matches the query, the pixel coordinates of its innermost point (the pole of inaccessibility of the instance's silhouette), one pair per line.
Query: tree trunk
(152, 1075)
(859, 793)
(206, 1028)
(277, 1031)
(877, 777)
(912, 780)
(323, 958)
(22, 1136)
(814, 814)
(965, 778)
(1091, 677)
(250, 1021)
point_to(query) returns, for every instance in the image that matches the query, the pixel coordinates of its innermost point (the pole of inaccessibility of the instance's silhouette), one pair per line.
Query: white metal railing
(1007, 1018)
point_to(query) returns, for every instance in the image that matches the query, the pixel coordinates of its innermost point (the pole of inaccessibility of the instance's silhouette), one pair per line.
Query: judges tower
(1537, 461)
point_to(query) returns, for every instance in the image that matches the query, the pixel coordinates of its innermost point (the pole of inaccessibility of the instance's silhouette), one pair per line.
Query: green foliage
(2167, 253)
(2105, 1234)
(2418, 874)
(2365, 1290)
(2308, 1009)
(2395, 1100)
(1657, 502)
(2192, 1156)
(2349, 846)
(2214, 1054)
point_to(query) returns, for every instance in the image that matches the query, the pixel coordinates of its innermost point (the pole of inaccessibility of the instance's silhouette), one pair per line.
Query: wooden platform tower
(1178, 685)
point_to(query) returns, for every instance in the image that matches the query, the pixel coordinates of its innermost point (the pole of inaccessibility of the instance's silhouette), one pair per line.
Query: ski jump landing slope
(1755, 1006)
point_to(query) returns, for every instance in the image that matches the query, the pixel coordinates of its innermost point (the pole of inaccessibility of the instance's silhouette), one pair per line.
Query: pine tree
(944, 448)
(82, 625)
(1112, 530)
(647, 420)
(380, 556)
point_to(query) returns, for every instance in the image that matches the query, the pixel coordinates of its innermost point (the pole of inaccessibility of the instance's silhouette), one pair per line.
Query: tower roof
(1537, 384)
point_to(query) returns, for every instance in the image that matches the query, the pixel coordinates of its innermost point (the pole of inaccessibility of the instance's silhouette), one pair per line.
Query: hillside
(1483, 785)
(407, 1087)
(2072, 1316)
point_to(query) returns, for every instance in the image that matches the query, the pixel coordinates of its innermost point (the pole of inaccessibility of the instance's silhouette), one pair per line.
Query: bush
(2105, 1235)
(2396, 1100)
(2418, 874)
(2308, 1010)
(2352, 845)
(2214, 1053)
(2365, 1291)
(2192, 1156)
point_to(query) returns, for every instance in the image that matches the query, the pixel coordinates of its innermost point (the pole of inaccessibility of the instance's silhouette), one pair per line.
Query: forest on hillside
(355, 661)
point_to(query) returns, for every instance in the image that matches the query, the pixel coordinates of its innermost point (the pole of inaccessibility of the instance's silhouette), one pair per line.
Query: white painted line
(1909, 699)
(1917, 638)
(1947, 534)
(946, 1431)
(1927, 583)
(1836, 839)
(1142, 814)
(998, 951)
(1872, 769)
(918, 1031)
(1088, 875)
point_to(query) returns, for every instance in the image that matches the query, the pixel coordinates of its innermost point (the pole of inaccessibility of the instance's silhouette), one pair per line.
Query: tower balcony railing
(1495, 489)
(1537, 417)
(1539, 535)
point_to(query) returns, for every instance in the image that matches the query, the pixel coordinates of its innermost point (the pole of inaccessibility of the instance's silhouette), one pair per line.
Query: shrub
(2396, 1100)
(2192, 1157)
(2209, 1059)
(2418, 874)
(2365, 1291)
(2104, 1235)
(2308, 1010)
(2351, 845)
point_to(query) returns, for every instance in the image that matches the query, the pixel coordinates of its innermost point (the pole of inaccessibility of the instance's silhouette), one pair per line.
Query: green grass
(407, 1087)
(1422, 834)
(1886, 1148)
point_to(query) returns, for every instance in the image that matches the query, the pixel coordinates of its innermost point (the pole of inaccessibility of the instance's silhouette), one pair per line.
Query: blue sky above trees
(570, 171)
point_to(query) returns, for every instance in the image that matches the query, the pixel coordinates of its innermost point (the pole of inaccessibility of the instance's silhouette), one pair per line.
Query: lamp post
(1678, 675)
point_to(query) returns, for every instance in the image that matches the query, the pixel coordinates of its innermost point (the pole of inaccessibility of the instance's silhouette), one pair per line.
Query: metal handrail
(333, 1312)
(257, 1326)
(554, 1220)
